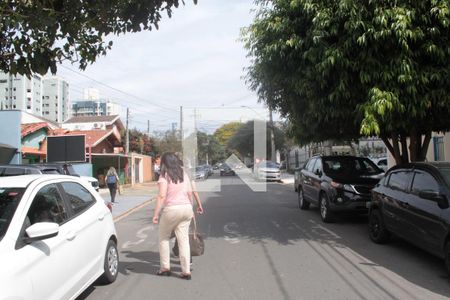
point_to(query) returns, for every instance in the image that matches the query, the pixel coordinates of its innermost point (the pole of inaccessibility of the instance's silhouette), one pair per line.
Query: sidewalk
(132, 198)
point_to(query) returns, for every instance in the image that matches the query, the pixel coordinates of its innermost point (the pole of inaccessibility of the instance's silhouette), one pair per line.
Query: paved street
(261, 246)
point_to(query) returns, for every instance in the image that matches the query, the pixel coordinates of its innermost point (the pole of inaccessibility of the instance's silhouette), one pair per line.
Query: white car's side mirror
(41, 231)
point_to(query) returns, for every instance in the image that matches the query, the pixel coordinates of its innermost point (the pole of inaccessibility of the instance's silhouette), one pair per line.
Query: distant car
(226, 170)
(56, 237)
(63, 169)
(267, 170)
(412, 202)
(381, 162)
(200, 173)
(337, 183)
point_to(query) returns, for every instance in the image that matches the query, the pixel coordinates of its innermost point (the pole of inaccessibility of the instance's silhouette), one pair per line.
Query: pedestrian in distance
(112, 180)
(174, 202)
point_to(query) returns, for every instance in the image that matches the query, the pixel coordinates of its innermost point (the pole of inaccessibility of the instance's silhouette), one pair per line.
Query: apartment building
(93, 105)
(19, 92)
(46, 97)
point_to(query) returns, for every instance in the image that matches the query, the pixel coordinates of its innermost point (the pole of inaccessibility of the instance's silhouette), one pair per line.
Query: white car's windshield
(9, 199)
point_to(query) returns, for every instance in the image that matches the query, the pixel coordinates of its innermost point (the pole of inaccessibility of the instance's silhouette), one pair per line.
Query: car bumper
(350, 202)
(269, 176)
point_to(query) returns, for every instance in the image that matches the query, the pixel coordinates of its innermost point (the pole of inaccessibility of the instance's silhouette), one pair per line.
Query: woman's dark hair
(171, 167)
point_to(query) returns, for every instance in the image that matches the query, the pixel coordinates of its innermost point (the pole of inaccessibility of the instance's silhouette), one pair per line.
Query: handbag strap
(195, 226)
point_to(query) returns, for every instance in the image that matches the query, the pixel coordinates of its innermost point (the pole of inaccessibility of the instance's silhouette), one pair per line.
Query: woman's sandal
(185, 276)
(163, 273)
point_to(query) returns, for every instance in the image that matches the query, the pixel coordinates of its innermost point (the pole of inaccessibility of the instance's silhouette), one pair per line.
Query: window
(318, 165)
(80, 198)
(310, 165)
(399, 180)
(47, 206)
(424, 182)
(438, 143)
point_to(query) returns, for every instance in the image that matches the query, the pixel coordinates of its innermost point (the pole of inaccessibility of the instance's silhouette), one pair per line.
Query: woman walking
(112, 180)
(175, 201)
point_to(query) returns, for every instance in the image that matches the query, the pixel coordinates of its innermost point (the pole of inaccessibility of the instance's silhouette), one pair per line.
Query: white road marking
(230, 229)
(141, 235)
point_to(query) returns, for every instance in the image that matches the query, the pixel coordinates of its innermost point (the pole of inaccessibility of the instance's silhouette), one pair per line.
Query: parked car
(199, 173)
(67, 169)
(337, 184)
(56, 237)
(63, 169)
(381, 162)
(226, 170)
(267, 170)
(412, 202)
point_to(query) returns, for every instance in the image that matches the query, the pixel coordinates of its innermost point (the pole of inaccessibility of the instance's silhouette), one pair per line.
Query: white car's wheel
(111, 264)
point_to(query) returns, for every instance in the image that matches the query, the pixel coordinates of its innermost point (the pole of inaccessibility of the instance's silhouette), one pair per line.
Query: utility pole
(272, 137)
(148, 128)
(127, 134)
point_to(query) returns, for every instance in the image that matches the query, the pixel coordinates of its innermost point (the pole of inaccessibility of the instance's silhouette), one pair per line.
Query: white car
(268, 170)
(56, 237)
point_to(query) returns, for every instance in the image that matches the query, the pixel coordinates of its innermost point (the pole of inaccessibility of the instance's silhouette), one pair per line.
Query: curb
(131, 210)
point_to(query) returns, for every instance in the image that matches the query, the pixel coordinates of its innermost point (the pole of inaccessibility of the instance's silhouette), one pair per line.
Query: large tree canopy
(339, 69)
(37, 35)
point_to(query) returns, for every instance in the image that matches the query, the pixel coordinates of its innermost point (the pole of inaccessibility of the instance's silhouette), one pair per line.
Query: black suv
(337, 183)
(412, 202)
(64, 169)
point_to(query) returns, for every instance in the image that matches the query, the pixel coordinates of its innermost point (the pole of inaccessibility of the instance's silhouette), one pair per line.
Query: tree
(37, 35)
(226, 131)
(209, 148)
(242, 140)
(168, 141)
(140, 142)
(343, 69)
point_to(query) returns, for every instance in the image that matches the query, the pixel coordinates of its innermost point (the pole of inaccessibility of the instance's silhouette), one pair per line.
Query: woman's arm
(160, 201)
(197, 198)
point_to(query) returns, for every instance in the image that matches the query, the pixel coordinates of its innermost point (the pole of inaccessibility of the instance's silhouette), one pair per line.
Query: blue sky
(195, 59)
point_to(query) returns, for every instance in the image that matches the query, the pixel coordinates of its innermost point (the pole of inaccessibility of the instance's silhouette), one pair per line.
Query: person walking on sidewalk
(175, 202)
(112, 180)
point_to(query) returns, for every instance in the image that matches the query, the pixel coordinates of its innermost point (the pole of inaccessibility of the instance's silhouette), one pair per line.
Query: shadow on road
(237, 212)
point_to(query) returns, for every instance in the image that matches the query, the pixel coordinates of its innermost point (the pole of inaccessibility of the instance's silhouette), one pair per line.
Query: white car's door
(47, 263)
(92, 231)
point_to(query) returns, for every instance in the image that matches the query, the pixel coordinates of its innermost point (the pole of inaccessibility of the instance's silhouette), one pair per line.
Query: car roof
(23, 181)
(424, 165)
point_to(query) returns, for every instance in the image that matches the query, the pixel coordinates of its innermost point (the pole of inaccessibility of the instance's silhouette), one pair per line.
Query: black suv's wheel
(377, 230)
(111, 263)
(302, 203)
(447, 256)
(325, 213)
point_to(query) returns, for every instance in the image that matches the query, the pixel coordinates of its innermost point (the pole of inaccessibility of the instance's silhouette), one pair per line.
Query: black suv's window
(14, 171)
(350, 166)
(399, 180)
(424, 182)
(47, 206)
(310, 165)
(446, 174)
(9, 199)
(79, 197)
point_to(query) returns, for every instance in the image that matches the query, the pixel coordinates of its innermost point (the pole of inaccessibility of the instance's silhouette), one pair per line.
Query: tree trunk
(394, 147)
(414, 144)
(424, 147)
(405, 156)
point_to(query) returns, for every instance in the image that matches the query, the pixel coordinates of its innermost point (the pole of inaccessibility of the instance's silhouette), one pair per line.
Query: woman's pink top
(177, 193)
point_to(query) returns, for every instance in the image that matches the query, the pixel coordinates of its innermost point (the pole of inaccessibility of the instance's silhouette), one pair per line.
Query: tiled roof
(91, 119)
(27, 129)
(32, 150)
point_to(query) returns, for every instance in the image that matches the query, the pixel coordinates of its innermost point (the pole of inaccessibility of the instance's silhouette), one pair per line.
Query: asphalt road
(261, 246)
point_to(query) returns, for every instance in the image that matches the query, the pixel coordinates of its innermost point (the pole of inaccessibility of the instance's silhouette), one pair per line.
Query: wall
(83, 169)
(104, 145)
(33, 139)
(10, 130)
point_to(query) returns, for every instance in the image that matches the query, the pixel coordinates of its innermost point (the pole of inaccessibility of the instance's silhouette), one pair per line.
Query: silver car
(268, 170)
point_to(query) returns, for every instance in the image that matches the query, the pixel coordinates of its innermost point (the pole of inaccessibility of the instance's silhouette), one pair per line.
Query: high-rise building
(19, 92)
(55, 99)
(46, 97)
(93, 105)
